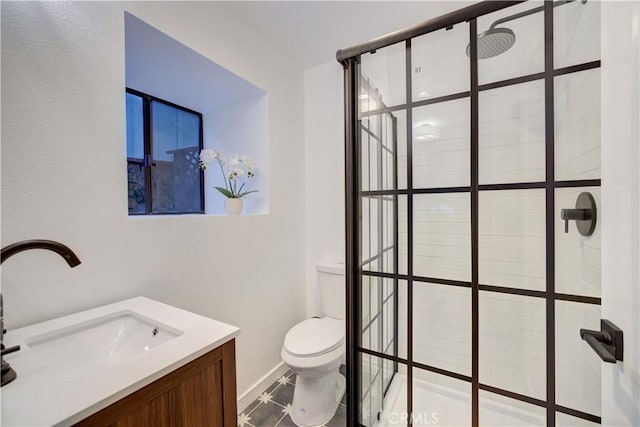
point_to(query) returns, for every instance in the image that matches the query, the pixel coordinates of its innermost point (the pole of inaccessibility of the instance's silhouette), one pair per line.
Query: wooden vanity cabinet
(201, 393)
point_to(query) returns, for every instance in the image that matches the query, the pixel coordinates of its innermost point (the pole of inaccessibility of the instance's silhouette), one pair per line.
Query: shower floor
(444, 405)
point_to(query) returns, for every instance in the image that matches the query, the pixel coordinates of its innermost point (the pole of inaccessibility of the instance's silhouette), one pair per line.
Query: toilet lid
(314, 337)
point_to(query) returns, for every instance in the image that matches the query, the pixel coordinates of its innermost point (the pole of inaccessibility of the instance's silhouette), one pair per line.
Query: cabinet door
(200, 394)
(199, 398)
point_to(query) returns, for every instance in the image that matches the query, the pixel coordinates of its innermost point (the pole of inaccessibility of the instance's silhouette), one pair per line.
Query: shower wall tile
(401, 126)
(365, 227)
(441, 145)
(441, 236)
(512, 343)
(577, 125)
(442, 326)
(402, 319)
(512, 238)
(578, 265)
(403, 234)
(578, 367)
(576, 33)
(512, 134)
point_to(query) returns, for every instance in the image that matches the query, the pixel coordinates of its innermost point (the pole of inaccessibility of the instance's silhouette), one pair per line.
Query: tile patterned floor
(273, 406)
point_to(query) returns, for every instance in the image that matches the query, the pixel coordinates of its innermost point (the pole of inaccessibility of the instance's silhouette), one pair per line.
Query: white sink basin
(71, 367)
(109, 339)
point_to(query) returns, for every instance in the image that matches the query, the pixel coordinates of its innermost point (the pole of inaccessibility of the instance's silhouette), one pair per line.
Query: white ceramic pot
(233, 206)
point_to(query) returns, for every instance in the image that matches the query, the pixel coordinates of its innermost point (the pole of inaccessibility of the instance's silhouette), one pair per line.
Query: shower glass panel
(501, 411)
(441, 239)
(440, 145)
(467, 141)
(383, 171)
(512, 238)
(526, 56)
(436, 71)
(577, 130)
(442, 327)
(512, 134)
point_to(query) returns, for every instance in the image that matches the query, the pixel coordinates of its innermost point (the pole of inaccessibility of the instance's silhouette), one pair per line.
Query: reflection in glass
(176, 174)
(136, 178)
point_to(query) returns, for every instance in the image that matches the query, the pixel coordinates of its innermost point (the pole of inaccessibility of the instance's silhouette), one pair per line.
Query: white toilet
(314, 349)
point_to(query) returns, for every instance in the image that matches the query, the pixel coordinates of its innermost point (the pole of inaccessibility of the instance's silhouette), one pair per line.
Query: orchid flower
(233, 170)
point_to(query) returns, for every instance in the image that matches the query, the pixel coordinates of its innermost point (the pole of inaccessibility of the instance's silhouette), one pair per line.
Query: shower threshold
(448, 403)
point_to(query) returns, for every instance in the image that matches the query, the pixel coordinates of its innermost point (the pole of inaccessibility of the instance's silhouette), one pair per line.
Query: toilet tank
(332, 289)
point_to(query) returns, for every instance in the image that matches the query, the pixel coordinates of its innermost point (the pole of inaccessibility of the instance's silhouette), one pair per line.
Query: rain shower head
(493, 42)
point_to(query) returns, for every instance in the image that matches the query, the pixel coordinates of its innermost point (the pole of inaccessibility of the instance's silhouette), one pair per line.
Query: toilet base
(315, 400)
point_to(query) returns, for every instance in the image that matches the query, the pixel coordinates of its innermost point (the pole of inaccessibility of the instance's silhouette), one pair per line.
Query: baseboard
(256, 390)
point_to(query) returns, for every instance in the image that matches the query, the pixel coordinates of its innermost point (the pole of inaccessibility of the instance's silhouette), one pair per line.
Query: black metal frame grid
(375, 138)
(147, 162)
(354, 195)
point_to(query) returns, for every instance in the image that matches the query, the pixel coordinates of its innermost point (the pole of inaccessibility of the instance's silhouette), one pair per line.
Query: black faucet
(8, 374)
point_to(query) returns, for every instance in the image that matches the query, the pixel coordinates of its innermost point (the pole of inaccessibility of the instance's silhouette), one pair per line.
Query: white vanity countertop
(45, 395)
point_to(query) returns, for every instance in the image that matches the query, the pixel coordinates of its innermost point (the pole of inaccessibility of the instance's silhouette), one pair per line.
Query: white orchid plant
(234, 169)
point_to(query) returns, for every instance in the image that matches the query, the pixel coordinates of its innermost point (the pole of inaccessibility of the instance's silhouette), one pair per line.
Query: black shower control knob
(584, 214)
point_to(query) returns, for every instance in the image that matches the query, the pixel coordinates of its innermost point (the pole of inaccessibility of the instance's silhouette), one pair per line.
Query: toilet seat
(314, 337)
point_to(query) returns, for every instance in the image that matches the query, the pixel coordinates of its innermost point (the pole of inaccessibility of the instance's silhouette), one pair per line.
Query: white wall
(620, 190)
(324, 172)
(64, 178)
(241, 128)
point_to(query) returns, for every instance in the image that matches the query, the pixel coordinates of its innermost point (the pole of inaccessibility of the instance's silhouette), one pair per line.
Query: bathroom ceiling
(310, 32)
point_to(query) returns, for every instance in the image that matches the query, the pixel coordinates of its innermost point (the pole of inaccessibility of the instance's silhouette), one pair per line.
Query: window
(163, 146)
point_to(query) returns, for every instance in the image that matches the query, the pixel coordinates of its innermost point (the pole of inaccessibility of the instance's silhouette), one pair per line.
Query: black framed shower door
(384, 198)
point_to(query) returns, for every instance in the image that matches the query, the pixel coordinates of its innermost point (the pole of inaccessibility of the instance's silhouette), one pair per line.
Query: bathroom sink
(72, 367)
(109, 339)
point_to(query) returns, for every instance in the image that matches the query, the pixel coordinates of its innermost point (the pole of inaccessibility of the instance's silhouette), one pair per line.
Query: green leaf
(225, 192)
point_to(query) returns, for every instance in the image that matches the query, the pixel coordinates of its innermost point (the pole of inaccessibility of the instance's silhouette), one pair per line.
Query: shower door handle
(607, 343)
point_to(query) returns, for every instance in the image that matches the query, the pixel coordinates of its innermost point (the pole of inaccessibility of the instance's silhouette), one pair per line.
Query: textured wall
(64, 177)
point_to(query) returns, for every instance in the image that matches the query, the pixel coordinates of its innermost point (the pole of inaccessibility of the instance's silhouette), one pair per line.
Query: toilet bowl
(314, 349)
